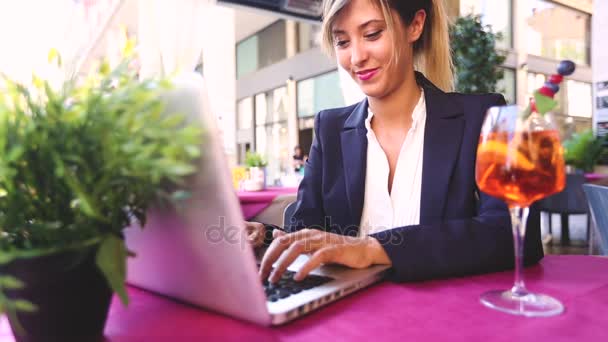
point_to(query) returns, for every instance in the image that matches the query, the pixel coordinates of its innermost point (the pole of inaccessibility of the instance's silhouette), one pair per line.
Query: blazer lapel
(354, 156)
(442, 139)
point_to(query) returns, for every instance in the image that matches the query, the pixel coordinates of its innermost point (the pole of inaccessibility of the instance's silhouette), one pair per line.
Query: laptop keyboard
(287, 286)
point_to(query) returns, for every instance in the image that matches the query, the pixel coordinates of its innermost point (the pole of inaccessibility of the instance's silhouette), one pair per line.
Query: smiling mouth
(365, 75)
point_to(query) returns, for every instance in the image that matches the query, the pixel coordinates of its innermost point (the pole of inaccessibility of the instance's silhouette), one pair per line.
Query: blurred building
(268, 77)
(283, 78)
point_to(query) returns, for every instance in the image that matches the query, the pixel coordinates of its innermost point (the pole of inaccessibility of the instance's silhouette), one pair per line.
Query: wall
(219, 61)
(599, 52)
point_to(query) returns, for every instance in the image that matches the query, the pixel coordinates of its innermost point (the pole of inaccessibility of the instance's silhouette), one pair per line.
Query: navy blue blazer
(461, 231)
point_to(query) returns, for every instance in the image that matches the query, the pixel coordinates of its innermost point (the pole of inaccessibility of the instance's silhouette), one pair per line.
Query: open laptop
(198, 252)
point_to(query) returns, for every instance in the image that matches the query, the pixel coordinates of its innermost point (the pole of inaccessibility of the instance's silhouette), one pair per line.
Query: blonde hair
(432, 54)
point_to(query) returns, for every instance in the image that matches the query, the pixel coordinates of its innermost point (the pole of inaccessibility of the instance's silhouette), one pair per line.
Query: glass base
(529, 305)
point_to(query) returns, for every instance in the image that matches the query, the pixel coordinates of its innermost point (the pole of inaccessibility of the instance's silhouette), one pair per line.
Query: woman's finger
(321, 256)
(276, 248)
(249, 229)
(255, 238)
(287, 258)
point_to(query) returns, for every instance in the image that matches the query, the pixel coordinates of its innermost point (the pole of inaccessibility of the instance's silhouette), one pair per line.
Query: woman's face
(364, 47)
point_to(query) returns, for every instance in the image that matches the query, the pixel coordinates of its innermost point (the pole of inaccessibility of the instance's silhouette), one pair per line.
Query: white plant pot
(257, 179)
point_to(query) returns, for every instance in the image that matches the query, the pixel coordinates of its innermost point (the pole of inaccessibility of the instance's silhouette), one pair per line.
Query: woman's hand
(255, 233)
(354, 252)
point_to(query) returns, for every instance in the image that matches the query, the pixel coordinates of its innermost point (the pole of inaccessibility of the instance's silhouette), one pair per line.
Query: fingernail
(297, 277)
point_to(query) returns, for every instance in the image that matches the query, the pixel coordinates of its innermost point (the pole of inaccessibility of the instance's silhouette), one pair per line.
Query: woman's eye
(341, 43)
(373, 35)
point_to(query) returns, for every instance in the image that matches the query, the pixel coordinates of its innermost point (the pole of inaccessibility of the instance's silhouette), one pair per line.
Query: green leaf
(544, 104)
(172, 120)
(54, 56)
(14, 154)
(253, 159)
(104, 68)
(83, 200)
(192, 151)
(5, 258)
(9, 282)
(112, 261)
(129, 48)
(37, 82)
(583, 150)
(24, 305)
(180, 169)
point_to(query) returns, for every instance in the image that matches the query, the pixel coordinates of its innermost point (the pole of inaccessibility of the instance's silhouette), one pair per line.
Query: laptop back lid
(197, 252)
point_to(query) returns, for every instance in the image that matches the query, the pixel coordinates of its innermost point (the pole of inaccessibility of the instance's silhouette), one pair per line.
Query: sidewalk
(578, 235)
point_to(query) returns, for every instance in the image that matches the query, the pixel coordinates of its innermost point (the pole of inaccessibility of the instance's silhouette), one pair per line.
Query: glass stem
(519, 217)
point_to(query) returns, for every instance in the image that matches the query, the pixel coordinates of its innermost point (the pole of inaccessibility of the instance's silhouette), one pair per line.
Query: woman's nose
(358, 54)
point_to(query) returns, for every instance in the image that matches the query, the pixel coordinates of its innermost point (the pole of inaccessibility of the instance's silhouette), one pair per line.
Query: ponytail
(432, 55)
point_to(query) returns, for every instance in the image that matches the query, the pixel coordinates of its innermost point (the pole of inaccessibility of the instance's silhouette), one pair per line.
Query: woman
(391, 179)
(298, 159)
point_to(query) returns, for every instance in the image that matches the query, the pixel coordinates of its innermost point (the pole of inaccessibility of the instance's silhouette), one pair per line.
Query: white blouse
(381, 210)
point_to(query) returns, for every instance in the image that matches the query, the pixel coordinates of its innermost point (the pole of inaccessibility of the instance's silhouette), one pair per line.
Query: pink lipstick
(365, 75)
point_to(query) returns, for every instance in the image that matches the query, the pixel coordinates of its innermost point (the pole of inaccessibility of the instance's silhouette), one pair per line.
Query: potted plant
(583, 150)
(476, 61)
(77, 165)
(256, 164)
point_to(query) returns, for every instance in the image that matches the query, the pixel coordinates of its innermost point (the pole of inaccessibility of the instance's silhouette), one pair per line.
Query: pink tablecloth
(254, 202)
(594, 177)
(442, 310)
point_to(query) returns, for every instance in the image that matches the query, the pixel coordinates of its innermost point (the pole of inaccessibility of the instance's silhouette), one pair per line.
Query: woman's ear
(416, 27)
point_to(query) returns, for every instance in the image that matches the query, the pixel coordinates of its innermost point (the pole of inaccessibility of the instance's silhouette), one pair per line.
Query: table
(594, 177)
(440, 310)
(266, 206)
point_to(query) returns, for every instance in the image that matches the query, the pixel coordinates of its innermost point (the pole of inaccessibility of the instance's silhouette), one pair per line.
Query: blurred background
(266, 72)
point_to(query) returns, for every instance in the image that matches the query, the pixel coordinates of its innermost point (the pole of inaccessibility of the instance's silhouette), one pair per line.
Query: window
(271, 106)
(496, 13)
(271, 134)
(309, 36)
(557, 31)
(580, 100)
(247, 56)
(318, 93)
(265, 48)
(245, 114)
(506, 85)
(272, 44)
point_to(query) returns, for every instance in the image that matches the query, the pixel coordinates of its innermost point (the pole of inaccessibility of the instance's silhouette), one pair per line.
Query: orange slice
(501, 153)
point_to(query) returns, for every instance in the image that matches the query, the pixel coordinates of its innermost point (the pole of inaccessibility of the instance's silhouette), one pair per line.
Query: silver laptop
(197, 252)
